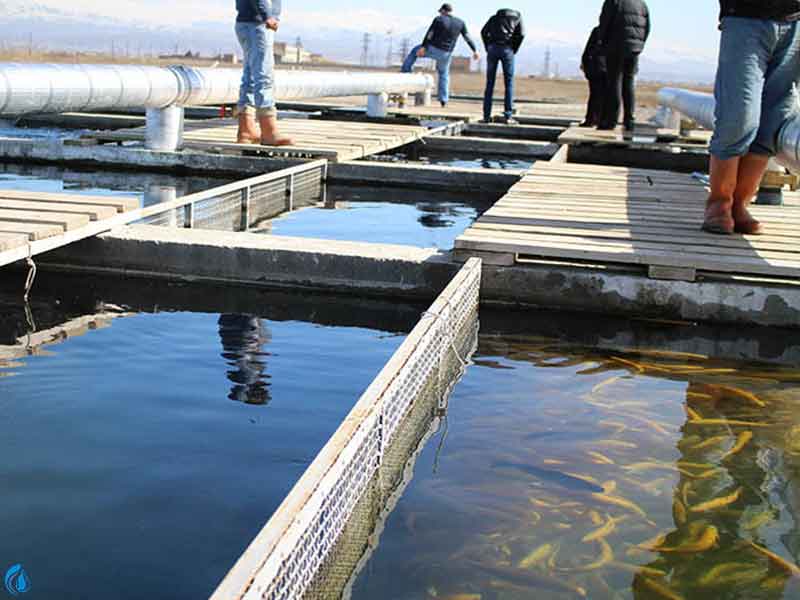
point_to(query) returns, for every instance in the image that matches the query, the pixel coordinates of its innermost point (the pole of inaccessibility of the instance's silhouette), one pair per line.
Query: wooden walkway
(39, 218)
(644, 137)
(620, 216)
(334, 140)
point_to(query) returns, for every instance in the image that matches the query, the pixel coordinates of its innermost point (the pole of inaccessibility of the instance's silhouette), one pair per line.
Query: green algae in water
(691, 472)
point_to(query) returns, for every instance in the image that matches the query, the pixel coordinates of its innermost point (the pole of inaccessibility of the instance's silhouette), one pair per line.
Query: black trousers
(598, 83)
(621, 89)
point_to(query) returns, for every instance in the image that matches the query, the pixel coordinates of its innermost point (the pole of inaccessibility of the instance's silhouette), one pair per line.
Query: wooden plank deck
(623, 216)
(334, 140)
(27, 217)
(643, 137)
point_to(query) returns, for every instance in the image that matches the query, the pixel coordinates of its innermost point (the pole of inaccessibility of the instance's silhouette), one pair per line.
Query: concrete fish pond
(412, 356)
(570, 472)
(153, 430)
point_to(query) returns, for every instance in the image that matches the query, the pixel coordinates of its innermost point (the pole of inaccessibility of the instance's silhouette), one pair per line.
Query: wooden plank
(94, 211)
(638, 209)
(697, 253)
(9, 241)
(68, 221)
(665, 236)
(34, 231)
(121, 204)
(689, 231)
(625, 253)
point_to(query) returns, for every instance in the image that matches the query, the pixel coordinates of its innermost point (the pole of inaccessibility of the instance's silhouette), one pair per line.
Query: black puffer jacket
(781, 10)
(624, 26)
(505, 29)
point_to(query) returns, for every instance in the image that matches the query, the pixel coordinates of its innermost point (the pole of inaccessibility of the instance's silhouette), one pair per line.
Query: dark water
(151, 188)
(565, 471)
(386, 215)
(144, 448)
(462, 160)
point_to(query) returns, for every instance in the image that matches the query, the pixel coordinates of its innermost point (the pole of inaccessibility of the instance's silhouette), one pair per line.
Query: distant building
(228, 59)
(461, 64)
(287, 54)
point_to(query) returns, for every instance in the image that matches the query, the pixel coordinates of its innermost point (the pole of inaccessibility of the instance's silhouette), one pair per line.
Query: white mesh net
(286, 558)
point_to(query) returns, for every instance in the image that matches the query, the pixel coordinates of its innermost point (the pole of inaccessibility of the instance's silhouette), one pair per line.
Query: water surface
(385, 215)
(144, 448)
(564, 471)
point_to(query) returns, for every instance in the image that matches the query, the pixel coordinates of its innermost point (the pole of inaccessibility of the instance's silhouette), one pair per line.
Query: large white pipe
(696, 105)
(52, 88)
(700, 108)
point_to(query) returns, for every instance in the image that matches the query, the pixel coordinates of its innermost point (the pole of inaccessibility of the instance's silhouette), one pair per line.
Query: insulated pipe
(700, 108)
(50, 88)
(696, 105)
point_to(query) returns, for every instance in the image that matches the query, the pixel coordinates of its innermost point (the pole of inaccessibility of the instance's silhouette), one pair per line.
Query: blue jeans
(443, 60)
(257, 79)
(503, 55)
(755, 91)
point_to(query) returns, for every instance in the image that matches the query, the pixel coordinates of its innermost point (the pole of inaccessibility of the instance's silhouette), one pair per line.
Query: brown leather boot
(744, 221)
(718, 218)
(249, 132)
(269, 130)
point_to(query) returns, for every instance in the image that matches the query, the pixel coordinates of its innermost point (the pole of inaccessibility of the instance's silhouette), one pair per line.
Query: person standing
(756, 93)
(593, 65)
(256, 24)
(502, 37)
(624, 29)
(439, 43)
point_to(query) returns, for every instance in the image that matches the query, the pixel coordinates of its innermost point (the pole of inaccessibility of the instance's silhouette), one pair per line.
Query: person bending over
(593, 65)
(502, 37)
(624, 29)
(256, 24)
(439, 43)
(755, 91)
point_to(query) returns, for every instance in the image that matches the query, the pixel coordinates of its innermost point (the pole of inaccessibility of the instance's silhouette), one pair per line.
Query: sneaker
(444, 104)
(510, 121)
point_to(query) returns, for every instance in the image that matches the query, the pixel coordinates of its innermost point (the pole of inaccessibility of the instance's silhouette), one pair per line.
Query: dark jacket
(504, 29)
(593, 60)
(624, 26)
(444, 31)
(257, 11)
(779, 10)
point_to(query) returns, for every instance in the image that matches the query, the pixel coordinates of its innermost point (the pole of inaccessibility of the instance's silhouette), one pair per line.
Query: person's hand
(476, 56)
(272, 23)
(421, 53)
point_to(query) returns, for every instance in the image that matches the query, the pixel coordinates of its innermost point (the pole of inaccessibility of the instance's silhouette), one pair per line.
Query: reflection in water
(569, 473)
(243, 338)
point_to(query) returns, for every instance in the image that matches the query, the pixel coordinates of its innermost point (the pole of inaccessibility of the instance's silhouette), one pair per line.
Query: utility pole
(390, 50)
(365, 50)
(557, 74)
(299, 45)
(405, 48)
(546, 70)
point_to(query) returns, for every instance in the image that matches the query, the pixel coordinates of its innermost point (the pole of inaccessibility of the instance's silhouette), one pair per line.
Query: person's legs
(262, 72)
(411, 59)
(491, 78)
(630, 67)
(508, 79)
(779, 104)
(745, 52)
(613, 95)
(443, 60)
(248, 132)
